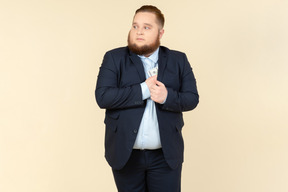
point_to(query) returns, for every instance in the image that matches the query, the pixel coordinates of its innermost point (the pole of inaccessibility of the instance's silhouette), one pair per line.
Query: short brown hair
(154, 10)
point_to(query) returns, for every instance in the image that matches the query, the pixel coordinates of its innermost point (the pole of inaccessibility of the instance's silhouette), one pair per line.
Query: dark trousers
(147, 171)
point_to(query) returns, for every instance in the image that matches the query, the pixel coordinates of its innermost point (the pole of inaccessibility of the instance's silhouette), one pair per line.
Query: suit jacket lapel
(139, 65)
(162, 62)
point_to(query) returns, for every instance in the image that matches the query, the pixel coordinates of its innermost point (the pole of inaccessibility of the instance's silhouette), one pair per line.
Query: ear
(161, 32)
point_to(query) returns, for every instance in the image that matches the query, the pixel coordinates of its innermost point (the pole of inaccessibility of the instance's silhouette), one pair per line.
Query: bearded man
(144, 88)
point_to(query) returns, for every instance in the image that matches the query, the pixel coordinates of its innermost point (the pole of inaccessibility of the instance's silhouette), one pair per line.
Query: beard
(145, 49)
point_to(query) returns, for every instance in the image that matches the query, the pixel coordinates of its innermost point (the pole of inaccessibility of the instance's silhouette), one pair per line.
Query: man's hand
(151, 81)
(158, 92)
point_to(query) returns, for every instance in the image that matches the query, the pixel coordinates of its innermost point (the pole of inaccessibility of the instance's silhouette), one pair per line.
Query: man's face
(145, 34)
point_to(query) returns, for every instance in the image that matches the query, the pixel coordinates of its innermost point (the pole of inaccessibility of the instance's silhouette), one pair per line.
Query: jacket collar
(138, 64)
(162, 62)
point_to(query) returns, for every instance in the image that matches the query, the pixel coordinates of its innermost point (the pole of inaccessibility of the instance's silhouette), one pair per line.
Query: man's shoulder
(124, 51)
(120, 51)
(171, 52)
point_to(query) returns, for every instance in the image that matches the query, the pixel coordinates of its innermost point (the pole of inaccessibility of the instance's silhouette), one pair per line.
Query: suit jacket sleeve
(109, 94)
(185, 97)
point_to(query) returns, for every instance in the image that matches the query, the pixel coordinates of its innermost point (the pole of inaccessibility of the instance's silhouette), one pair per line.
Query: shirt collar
(153, 57)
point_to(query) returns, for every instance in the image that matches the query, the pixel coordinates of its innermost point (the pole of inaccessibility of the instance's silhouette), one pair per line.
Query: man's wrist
(145, 91)
(165, 99)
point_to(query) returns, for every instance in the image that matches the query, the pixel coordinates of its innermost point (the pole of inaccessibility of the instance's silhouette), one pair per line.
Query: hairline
(152, 12)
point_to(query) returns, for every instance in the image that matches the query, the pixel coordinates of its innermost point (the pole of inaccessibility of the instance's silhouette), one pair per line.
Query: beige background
(52, 131)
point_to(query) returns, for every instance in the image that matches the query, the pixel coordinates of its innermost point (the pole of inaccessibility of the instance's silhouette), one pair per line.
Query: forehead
(145, 17)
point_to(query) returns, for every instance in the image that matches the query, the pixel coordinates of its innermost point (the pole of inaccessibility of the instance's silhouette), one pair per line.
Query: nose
(139, 32)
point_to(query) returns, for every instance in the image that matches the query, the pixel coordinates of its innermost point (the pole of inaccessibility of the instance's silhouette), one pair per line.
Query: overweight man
(144, 88)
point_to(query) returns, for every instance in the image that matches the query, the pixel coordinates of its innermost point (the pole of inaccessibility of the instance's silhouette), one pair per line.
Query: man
(145, 88)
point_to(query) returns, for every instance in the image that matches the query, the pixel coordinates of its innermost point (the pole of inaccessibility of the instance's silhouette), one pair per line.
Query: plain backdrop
(52, 131)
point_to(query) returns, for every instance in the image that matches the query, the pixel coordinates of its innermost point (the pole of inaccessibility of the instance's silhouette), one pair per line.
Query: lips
(139, 39)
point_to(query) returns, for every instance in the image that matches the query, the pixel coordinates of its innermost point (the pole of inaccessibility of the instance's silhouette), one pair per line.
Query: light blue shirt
(148, 136)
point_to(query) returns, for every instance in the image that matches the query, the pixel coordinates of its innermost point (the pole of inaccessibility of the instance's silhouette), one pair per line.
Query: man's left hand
(158, 92)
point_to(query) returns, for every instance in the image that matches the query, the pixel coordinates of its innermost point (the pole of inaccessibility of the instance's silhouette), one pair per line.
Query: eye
(134, 27)
(146, 28)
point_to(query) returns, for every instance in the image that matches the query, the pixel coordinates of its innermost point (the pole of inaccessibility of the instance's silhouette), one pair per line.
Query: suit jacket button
(135, 130)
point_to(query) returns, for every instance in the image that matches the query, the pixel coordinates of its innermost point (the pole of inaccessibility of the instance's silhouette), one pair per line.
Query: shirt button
(135, 131)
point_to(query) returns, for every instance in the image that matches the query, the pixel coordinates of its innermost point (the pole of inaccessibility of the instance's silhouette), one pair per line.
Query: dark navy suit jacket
(118, 91)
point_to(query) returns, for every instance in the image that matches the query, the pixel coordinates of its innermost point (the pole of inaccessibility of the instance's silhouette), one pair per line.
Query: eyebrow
(144, 24)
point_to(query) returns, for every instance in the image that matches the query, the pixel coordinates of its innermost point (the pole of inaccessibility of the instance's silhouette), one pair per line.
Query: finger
(159, 83)
(154, 86)
(154, 78)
